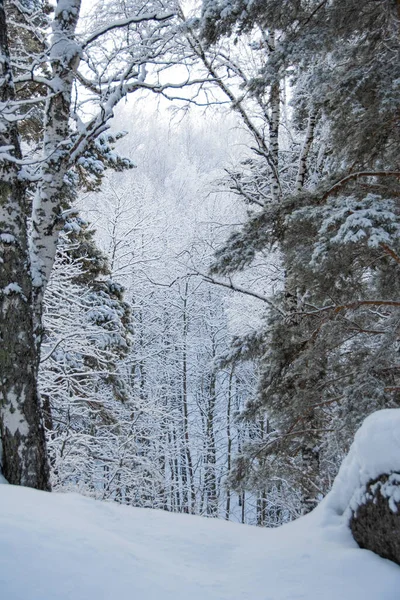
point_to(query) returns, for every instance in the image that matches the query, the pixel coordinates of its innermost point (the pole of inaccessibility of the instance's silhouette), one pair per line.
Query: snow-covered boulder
(376, 522)
(367, 488)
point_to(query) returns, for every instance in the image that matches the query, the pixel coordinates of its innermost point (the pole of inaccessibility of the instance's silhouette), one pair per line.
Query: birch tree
(81, 73)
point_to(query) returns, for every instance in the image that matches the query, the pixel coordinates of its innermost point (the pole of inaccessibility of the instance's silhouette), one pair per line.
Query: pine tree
(329, 355)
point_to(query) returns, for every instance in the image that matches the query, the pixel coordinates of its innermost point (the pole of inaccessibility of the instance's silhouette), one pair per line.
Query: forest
(199, 248)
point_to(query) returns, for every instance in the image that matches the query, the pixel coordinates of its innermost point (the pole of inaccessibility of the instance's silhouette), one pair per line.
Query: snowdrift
(68, 547)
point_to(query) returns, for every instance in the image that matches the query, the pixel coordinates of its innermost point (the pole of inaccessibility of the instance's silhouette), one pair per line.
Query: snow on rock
(374, 452)
(69, 547)
(390, 490)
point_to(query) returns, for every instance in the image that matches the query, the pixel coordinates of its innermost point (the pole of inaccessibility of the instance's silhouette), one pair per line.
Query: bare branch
(237, 288)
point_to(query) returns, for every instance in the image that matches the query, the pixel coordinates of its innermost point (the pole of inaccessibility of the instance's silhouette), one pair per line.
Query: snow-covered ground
(68, 547)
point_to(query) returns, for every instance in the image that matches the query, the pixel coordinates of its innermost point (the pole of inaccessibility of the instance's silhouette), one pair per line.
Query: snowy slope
(68, 547)
(65, 546)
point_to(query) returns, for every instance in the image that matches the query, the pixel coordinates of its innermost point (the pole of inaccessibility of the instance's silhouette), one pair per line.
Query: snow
(349, 220)
(64, 547)
(375, 451)
(69, 547)
(7, 238)
(389, 489)
(12, 288)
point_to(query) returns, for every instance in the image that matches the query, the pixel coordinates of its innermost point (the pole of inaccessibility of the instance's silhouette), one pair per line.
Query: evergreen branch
(339, 184)
(326, 402)
(351, 305)
(391, 253)
(367, 303)
(290, 433)
(311, 15)
(293, 467)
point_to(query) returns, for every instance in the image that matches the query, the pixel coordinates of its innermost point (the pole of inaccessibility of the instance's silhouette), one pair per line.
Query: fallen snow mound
(68, 547)
(374, 452)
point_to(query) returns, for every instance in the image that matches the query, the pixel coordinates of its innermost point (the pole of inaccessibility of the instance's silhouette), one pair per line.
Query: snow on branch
(124, 23)
(237, 288)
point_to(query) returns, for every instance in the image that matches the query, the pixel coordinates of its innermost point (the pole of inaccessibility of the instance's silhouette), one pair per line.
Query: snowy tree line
(149, 361)
(155, 423)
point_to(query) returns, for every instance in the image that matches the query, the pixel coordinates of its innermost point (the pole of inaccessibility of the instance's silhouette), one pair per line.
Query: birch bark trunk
(52, 195)
(26, 270)
(23, 452)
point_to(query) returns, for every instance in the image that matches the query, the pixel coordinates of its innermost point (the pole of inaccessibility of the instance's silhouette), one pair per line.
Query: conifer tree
(329, 355)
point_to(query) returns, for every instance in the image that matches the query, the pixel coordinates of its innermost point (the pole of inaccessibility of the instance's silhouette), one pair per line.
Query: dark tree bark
(24, 458)
(376, 523)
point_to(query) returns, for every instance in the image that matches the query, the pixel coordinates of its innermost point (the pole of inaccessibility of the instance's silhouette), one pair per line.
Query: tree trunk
(308, 140)
(188, 455)
(229, 444)
(24, 457)
(53, 195)
(210, 479)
